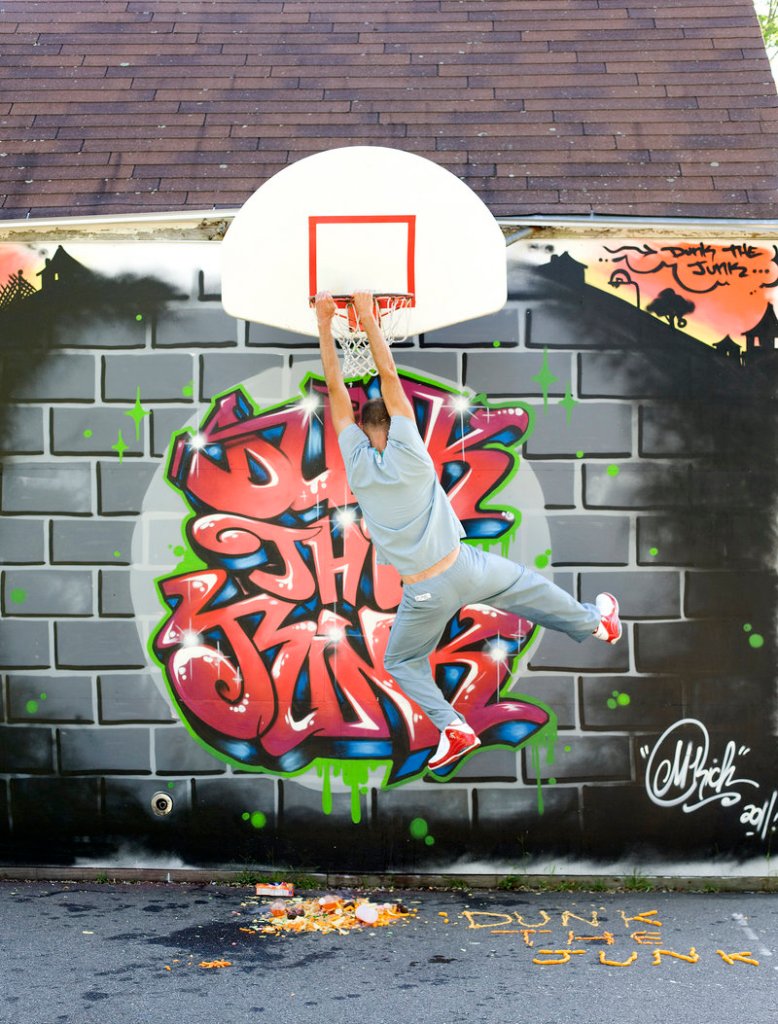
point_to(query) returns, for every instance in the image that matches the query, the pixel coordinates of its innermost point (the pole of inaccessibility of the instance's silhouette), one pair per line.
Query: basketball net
(392, 312)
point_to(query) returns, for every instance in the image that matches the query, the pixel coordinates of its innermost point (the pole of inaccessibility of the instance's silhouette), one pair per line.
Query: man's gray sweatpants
(477, 577)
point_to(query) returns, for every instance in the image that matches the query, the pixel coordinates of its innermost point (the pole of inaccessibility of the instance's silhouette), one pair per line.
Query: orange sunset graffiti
(727, 285)
(15, 258)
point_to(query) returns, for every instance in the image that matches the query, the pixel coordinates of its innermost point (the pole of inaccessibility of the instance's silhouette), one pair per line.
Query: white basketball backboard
(363, 217)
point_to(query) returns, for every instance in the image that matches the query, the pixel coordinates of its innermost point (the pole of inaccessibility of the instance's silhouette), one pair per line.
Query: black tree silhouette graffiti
(672, 307)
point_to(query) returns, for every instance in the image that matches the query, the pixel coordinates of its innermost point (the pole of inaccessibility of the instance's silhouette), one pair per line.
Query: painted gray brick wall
(56, 806)
(60, 698)
(131, 697)
(100, 750)
(91, 541)
(51, 487)
(219, 802)
(47, 592)
(121, 488)
(610, 468)
(24, 644)
(24, 432)
(159, 376)
(196, 327)
(101, 334)
(594, 429)
(115, 592)
(92, 431)
(126, 803)
(22, 541)
(98, 644)
(176, 753)
(224, 370)
(61, 377)
(28, 749)
(485, 372)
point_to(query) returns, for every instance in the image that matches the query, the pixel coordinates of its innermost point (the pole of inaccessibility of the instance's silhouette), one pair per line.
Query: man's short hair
(375, 413)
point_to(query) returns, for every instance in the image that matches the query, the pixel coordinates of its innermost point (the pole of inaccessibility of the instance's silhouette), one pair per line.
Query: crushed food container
(367, 913)
(330, 902)
(275, 889)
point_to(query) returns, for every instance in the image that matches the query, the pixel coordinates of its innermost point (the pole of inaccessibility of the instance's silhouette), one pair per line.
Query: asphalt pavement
(131, 953)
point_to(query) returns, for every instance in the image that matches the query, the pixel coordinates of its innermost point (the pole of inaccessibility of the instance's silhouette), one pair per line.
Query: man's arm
(395, 399)
(340, 403)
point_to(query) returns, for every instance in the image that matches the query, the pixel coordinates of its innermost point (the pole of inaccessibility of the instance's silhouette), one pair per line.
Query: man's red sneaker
(455, 741)
(609, 628)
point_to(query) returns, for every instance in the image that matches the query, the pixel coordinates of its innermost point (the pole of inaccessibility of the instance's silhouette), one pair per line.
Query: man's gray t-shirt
(411, 521)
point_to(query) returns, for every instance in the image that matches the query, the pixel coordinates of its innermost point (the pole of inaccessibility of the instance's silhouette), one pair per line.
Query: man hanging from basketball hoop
(414, 528)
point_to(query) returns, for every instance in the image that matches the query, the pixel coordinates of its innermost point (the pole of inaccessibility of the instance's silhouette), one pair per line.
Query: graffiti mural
(192, 608)
(274, 652)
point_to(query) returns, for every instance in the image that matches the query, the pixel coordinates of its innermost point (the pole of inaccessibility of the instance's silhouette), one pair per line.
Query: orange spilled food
(328, 914)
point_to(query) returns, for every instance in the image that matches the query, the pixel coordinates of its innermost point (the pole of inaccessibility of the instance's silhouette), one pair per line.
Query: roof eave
(211, 225)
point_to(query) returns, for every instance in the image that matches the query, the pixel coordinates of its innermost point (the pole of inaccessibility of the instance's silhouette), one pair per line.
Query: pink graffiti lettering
(275, 651)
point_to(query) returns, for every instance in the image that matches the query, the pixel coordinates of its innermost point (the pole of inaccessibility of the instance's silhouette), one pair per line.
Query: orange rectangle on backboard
(366, 251)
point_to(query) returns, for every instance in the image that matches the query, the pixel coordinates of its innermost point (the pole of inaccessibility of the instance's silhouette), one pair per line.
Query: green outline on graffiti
(326, 767)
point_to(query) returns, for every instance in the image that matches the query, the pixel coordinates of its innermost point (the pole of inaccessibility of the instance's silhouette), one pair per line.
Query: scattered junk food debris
(327, 914)
(209, 965)
(275, 889)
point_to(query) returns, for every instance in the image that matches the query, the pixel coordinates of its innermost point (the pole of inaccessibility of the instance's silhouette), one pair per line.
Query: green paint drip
(755, 640)
(535, 755)
(544, 739)
(31, 707)
(18, 596)
(323, 770)
(355, 775)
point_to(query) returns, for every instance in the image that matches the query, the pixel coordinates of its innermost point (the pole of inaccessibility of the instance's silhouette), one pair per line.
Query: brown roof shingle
(552, 107)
